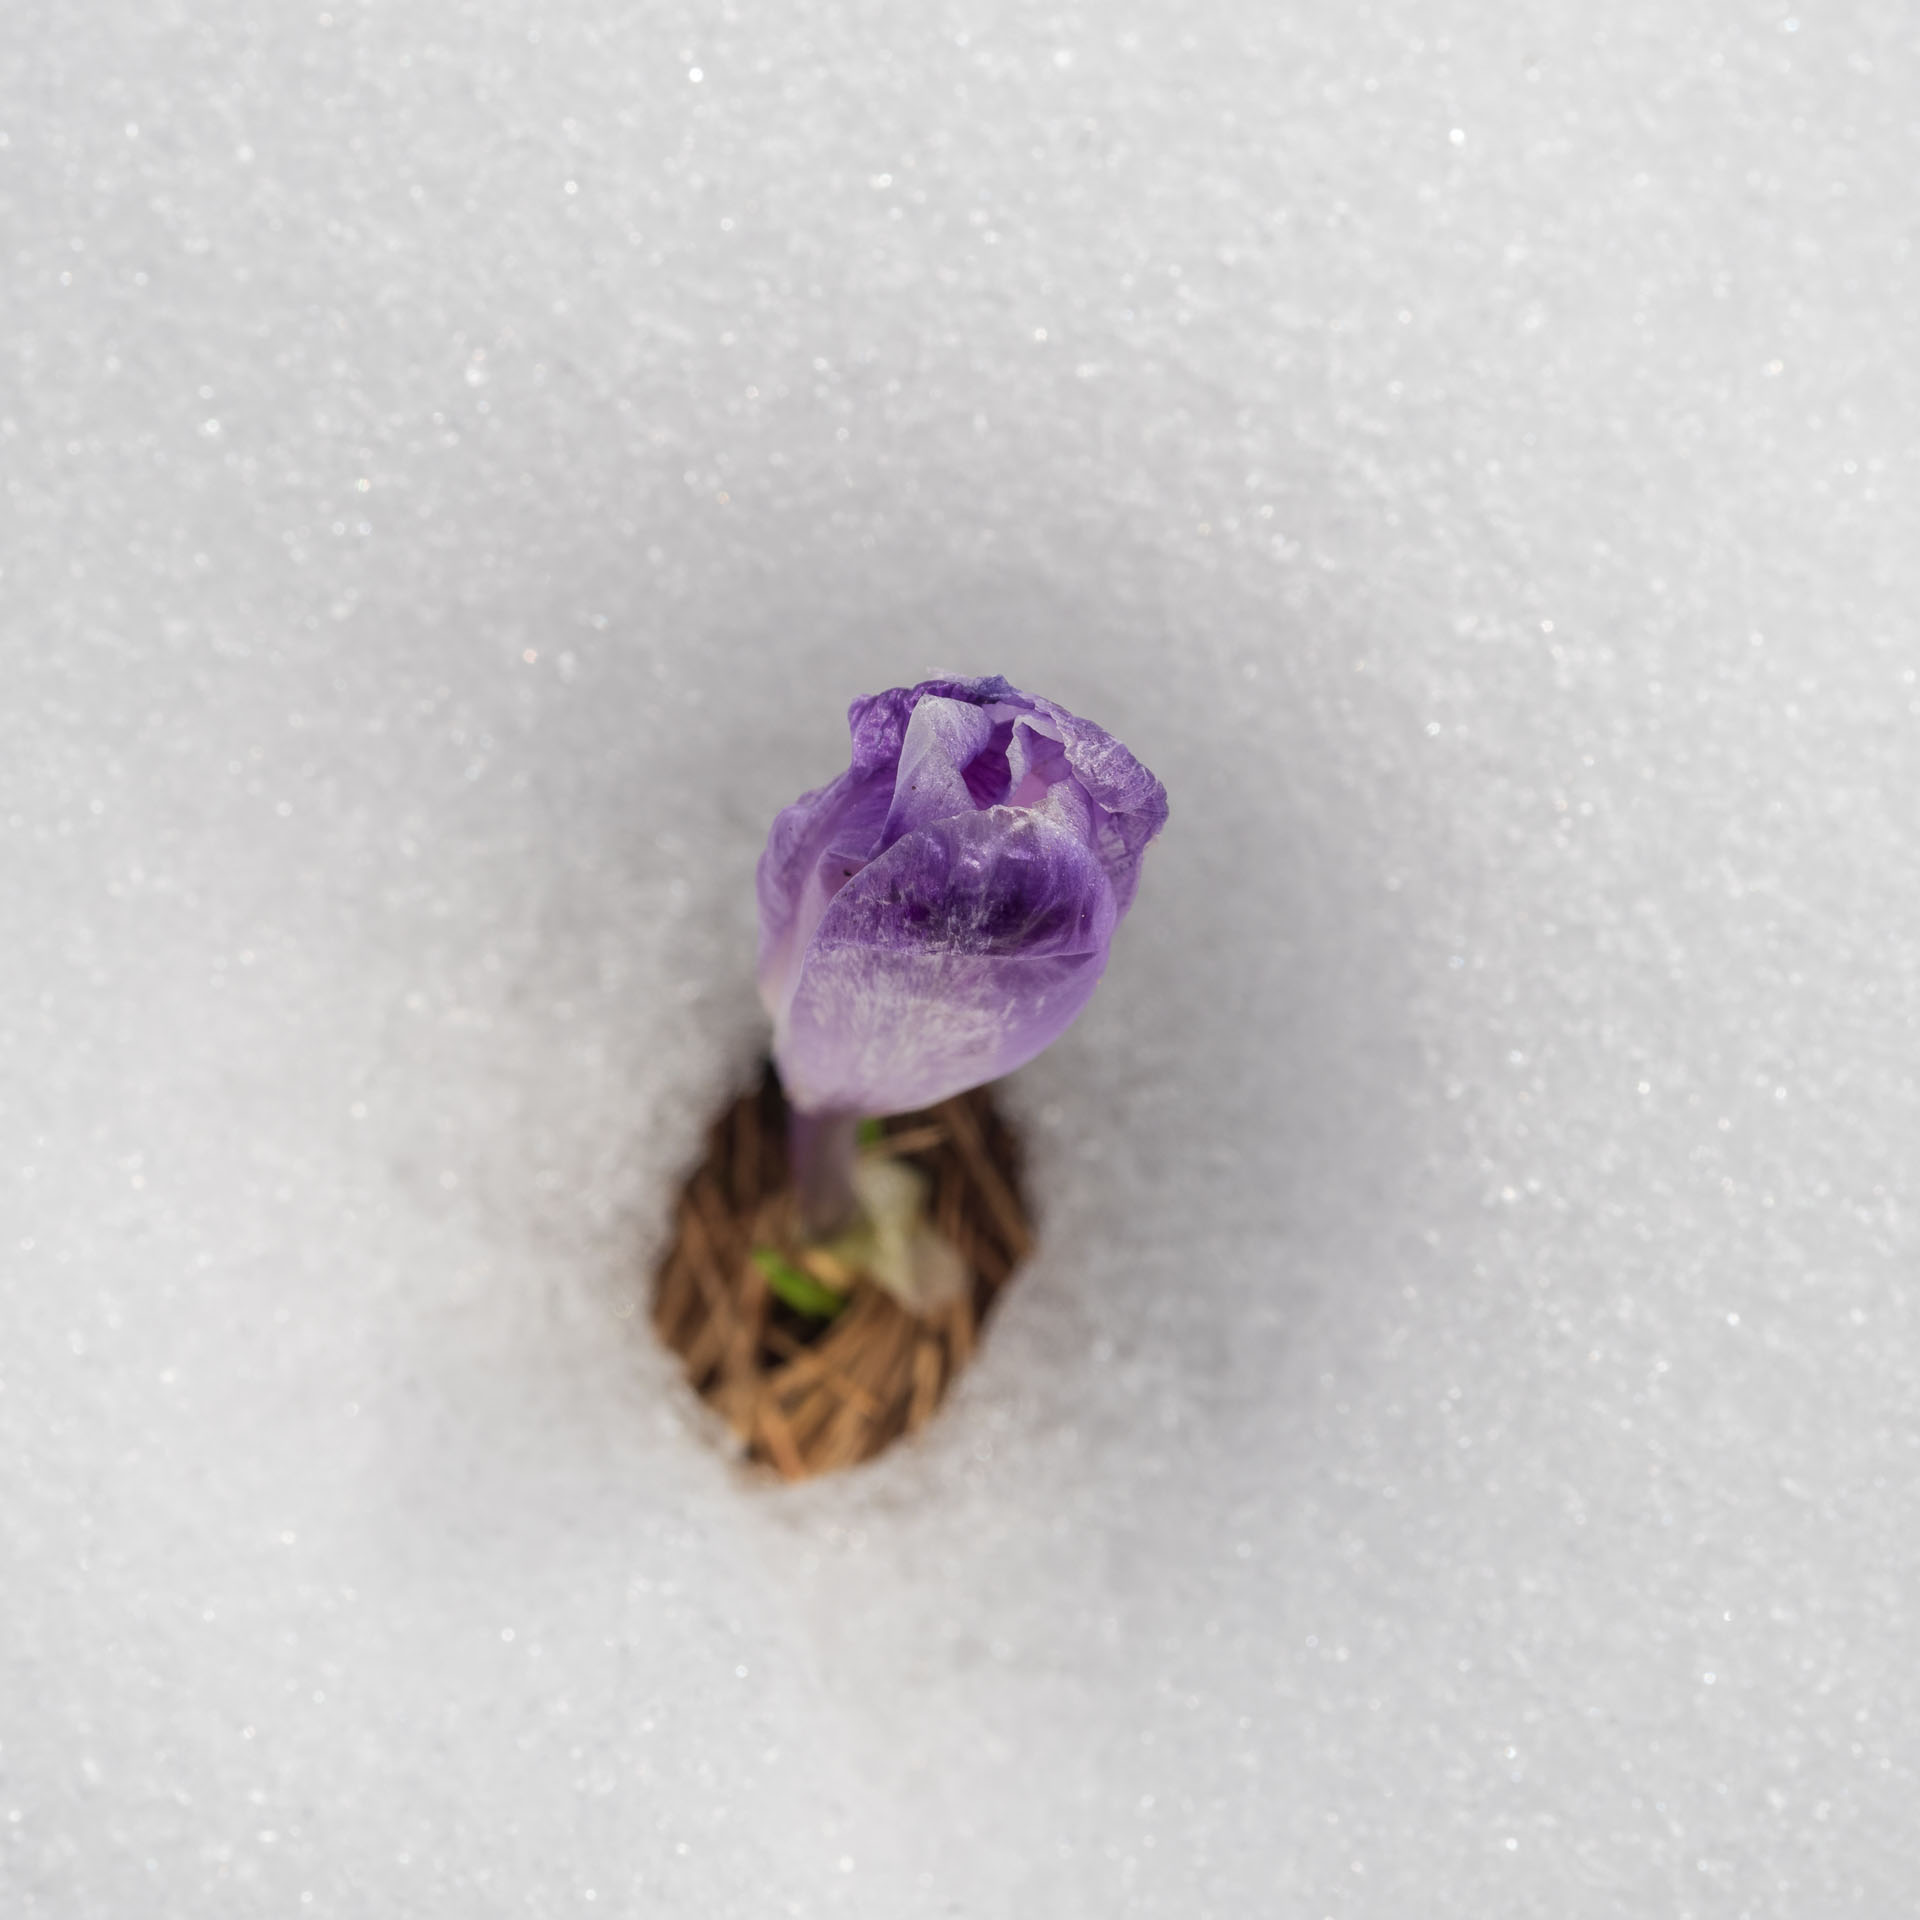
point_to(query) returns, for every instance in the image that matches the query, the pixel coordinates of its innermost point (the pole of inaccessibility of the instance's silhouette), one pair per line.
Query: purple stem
(820, 1148)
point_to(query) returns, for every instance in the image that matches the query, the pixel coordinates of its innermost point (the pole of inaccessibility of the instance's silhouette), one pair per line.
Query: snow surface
(1456, 1453)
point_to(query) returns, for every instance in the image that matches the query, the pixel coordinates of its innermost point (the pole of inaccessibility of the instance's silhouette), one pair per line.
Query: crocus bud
(941, 912)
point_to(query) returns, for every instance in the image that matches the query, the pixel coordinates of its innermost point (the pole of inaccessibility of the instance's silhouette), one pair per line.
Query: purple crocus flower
(940, 912)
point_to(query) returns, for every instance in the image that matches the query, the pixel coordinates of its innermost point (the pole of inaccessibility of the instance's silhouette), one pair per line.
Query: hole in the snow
(805, 1393)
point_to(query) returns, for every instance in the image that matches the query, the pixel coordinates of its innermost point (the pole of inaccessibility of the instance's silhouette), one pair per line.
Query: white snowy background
(1456, 1453)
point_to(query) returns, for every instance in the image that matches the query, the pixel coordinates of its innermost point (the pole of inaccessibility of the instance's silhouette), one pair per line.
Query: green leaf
(801, 1291)
(869, 1133)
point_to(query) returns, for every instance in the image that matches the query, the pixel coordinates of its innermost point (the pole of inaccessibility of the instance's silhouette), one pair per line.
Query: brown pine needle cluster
(805, 1395)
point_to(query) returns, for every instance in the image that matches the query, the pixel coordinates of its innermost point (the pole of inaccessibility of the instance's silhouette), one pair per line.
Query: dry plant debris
(802, 1394)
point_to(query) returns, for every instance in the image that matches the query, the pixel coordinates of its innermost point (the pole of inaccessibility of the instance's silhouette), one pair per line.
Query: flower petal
(943, 738)
(1132, 804)
(816, 846)
(879, 722)
(953, 958)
